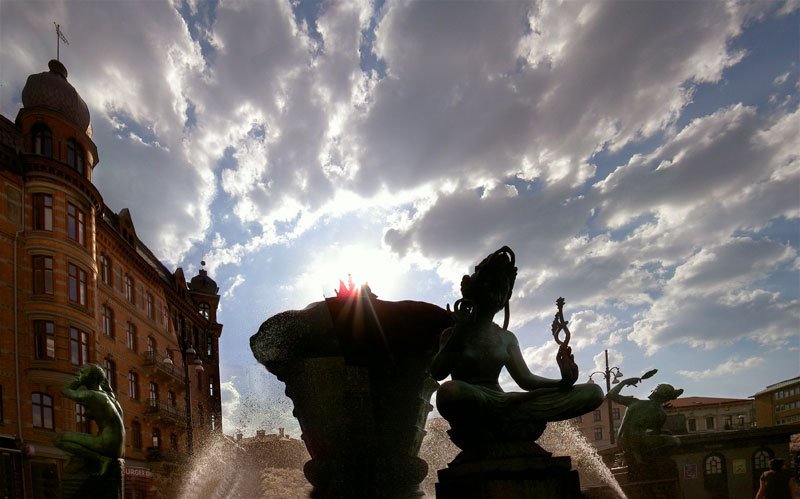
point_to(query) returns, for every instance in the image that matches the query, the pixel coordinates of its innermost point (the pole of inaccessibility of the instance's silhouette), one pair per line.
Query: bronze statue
(96, 458)
(641, 433)
(475, 350)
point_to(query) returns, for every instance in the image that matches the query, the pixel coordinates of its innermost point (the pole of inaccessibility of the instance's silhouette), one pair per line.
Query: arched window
(714, 464)
(42, 140)
(75, 156)
(205, 310)
(761, 459)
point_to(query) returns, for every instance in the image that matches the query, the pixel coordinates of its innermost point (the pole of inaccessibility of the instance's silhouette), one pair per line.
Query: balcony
(157, 411)
(154, 364)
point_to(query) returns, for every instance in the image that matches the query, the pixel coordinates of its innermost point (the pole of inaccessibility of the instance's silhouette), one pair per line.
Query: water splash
(561, 438)
(564, 439)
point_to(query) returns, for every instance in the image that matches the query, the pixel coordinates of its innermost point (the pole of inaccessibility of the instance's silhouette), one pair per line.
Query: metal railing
(155, 361)
(165, 412)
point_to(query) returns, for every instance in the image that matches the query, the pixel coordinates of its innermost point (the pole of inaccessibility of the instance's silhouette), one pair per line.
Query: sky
(640, 158)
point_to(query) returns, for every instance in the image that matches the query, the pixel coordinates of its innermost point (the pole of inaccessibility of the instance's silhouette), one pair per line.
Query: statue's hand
(567, 365)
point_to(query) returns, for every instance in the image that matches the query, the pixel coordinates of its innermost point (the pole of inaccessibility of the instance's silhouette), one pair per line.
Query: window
(211, 389)
(76, 224)
(136, 434)
(111, 373)
(151, 345)
(108, 321)
(714, 464)
(42, 140)
(42, 404)
(42, 275)
(75, 156)
(78, 347)
(156, 438)
(153, 393)
(710, 423)
(132, 337)
(42, 211)
(728, 422)
(740, 419)
(598, 415)
(82, 423)
(209, 345)
(598, 434)
(13, 205)
(44, 339)
(149, 305)
(105, 270)
(213, 422)
(761, 459)
(77, 284)
(615, 413)
(171, 399)
(129, 289)
(173, 441)
(692, 424)
(205, 310)
(133, 385)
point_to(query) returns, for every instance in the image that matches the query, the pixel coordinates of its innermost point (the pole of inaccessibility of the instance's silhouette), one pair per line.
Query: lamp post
(187, 354)
(607, 375)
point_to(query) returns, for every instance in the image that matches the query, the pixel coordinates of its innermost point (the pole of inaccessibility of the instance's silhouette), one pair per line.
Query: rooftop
(779, 385)
(684, 402)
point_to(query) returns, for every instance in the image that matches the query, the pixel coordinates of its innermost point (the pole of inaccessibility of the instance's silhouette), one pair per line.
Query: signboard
(138, 472)
(739, 466)
(690, 471)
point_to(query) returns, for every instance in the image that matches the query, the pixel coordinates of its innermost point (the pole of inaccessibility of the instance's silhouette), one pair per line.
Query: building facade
(595, 425)
(77, 286)
(778, 404)
(713, 414)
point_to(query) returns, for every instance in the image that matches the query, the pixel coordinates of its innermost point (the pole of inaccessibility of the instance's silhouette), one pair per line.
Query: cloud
(730, 366)
(231, 400)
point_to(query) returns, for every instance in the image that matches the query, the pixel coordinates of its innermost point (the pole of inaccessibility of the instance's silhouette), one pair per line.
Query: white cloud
(781, 79)
(730, 366)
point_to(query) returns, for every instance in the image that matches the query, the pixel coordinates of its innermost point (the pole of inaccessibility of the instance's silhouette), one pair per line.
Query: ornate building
(78, 286)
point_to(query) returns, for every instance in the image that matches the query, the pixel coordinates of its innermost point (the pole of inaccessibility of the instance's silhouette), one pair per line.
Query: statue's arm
(443, 362)
(615, 395)
(77, 394)
(519, 371)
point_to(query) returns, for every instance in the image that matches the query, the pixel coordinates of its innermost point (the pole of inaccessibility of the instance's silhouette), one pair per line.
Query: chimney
(280, 432)
(239, 437)
(261, 433)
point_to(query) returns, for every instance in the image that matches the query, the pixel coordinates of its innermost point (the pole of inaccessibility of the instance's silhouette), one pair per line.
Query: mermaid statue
(474, 351)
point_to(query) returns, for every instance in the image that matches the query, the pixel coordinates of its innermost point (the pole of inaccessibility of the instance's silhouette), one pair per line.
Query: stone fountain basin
(357, 371)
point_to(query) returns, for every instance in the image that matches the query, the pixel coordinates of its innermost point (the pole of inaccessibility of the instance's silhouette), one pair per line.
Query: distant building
(778, 404)
(78, 286)
(595, 425)
(274, 450)
(712, 414)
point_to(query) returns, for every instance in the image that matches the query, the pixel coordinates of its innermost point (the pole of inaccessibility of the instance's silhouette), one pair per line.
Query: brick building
(77, 286)
(595, 425)
(779, 403)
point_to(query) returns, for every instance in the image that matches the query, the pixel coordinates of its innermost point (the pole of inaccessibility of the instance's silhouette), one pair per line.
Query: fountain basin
(357, 371)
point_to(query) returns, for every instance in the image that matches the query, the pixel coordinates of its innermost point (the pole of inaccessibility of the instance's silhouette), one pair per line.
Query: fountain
(357, 370)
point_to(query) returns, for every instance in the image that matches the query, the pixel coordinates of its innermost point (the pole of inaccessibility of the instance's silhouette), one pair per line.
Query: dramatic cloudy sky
(641, 158)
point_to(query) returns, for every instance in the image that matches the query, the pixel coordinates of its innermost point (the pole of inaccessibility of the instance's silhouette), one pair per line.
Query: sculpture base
(536, 475)
(81, 480)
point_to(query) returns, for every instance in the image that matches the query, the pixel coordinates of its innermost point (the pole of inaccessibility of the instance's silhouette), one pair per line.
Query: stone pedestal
(532, 476)
(81, 480)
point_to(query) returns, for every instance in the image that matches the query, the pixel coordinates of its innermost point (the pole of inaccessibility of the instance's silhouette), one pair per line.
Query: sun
(374, 266)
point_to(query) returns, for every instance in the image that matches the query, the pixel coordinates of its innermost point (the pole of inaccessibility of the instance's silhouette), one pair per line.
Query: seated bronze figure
(475, 350)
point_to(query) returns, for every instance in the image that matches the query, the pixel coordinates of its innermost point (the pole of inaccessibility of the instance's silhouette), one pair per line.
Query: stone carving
(475, 350)
(641, 435)
(96, 467)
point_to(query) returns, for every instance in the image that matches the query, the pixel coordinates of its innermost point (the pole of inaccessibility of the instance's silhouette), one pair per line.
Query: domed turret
(201, 283)
(52, 90)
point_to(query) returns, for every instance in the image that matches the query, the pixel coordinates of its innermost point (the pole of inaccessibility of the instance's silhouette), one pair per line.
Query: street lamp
(189, 356)
(609, 371)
